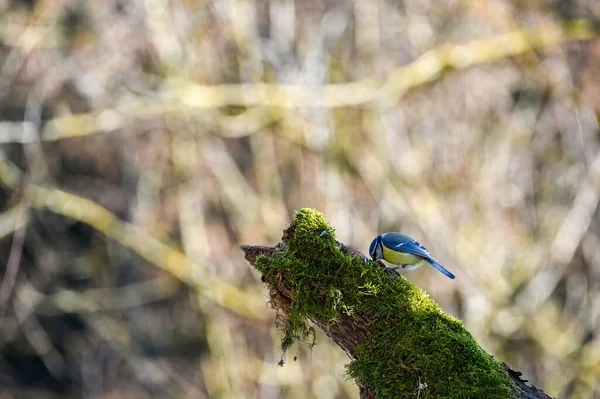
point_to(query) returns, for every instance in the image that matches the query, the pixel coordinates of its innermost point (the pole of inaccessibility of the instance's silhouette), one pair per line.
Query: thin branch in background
(10, 175)
(105, 299)
(14, 259)
(39, 340)
(12, 220)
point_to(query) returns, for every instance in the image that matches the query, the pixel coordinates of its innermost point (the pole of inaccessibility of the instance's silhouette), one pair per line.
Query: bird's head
(375, 249)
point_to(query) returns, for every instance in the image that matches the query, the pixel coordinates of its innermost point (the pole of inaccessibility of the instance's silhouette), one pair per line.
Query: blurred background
(142, 141)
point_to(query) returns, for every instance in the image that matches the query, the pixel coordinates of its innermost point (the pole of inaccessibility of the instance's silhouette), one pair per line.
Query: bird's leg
(390, 271)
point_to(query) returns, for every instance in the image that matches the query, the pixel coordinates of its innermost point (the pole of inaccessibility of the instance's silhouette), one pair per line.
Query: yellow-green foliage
(413, 342)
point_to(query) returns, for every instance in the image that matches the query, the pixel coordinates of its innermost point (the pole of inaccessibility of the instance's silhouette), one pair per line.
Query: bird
(403, 252)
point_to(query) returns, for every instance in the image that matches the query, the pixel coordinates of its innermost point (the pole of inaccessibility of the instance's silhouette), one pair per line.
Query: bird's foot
(390, 271)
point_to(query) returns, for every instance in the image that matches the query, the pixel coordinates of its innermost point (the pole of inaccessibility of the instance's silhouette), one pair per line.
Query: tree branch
(399, 342)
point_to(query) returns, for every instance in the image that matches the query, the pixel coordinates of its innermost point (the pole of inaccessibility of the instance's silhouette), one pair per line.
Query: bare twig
(14, 259)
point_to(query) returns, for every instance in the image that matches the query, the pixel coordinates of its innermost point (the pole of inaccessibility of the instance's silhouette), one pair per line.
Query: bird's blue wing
(400, 242)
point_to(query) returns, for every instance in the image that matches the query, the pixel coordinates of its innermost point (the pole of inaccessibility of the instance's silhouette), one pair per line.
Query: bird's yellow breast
(400, 258)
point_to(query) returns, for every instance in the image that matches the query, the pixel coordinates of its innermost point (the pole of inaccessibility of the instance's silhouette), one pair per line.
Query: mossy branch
(400, 343)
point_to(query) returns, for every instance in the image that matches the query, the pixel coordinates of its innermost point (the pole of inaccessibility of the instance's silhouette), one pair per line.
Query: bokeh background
(142, 141)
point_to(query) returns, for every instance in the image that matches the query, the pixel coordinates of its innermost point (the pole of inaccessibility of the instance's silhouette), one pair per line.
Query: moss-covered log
(400, 343)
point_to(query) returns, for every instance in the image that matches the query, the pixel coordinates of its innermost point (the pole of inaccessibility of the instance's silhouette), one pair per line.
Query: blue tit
(403, 252)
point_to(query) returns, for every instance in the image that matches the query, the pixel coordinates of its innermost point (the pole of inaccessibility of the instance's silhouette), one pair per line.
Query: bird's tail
(440, 268)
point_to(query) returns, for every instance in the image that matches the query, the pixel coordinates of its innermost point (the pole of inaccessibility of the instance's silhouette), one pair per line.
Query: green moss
(412, 341)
